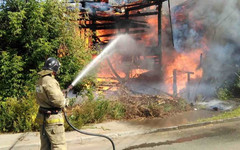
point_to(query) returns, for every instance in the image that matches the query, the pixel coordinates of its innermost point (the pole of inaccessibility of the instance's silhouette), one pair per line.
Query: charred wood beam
(132, 25)
(123, 21)
(138, 4)
(160, 36)
(174, 82)
(135, 21)
(136, 31)
(188, 83)
(144, 5)
(157, 1)
(122, 17)
(127, 18)
(130, 5)
(106, 35)
(113, 26)
(130, 32)
(117, 21)
(107, 18)
(143, 14)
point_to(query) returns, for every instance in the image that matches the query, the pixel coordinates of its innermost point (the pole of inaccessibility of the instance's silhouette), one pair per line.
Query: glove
(64, 93)
(66, 103)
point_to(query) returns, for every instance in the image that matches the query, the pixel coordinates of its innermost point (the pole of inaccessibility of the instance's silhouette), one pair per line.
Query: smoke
(129, 55)
(93, 7)
(221, 19)
(217, 21)
(123, 44)
(127, 51)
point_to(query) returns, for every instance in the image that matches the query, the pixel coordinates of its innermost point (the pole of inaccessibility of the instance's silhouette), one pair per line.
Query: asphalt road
(224, 136)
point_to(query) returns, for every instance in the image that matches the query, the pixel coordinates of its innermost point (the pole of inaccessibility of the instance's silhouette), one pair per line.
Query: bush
(18, 115)
(230, 88)
(93, 111)
(224, 94)
(11, 78)
(32, 31)
(117, 110)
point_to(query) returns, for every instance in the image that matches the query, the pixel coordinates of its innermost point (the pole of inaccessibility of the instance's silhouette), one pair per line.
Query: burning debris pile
(152, 106)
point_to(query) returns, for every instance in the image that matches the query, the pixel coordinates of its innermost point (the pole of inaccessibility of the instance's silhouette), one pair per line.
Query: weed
(92, 111)
(224, 94)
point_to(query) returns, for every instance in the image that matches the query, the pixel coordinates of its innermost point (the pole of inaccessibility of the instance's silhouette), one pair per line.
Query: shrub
(182, 105)
(18, 115)
(168, 107)
(11, 80)
(117, 110)
(32, 31)
(224, 94)
(93, 111)
(230, 88)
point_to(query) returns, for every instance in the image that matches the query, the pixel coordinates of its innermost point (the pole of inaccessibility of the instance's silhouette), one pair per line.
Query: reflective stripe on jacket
(50, 119)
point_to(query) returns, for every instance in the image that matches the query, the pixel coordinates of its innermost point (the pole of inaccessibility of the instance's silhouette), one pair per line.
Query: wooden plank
(144, 5)
(143, 14)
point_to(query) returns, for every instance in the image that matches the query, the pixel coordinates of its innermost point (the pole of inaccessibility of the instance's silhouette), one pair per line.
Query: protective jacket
(50, 97)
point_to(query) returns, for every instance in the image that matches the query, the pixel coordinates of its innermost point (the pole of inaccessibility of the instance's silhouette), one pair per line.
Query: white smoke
(131, 53)
(221, 23)
(123, 46)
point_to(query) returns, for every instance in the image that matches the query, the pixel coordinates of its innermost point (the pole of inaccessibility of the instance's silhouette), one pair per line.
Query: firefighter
(51, 100)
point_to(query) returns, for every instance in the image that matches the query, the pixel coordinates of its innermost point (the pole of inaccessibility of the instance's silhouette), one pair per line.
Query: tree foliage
(10, 75)
(32, 31)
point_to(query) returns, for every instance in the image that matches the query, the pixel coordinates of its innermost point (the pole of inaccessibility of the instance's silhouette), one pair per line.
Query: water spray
(108, 50)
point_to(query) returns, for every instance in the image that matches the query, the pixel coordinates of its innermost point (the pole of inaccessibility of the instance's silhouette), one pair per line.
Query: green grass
(225, 115)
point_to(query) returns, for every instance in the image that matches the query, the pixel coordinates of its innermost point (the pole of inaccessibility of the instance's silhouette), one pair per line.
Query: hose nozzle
(69, 88)
(65, 92)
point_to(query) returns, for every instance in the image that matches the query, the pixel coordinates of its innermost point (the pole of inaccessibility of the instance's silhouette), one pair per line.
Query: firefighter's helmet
(52, 64)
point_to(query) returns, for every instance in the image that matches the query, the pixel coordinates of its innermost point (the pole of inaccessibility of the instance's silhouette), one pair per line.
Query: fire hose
(83, 132)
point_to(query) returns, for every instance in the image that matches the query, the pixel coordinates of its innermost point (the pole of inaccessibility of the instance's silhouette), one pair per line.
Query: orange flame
(183, 63)
(171, 60)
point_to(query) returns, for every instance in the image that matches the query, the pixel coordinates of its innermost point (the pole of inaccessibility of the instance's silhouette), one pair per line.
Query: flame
(109, 80)
(152, 36)
(183, 63)
(100, 33)
(188, 61)
(116, 61)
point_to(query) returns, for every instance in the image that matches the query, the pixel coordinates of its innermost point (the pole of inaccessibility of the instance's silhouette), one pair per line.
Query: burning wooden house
(106, 21)
(172, 58)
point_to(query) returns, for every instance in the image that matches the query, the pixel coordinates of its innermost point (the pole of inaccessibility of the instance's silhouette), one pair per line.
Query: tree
(32, 31)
